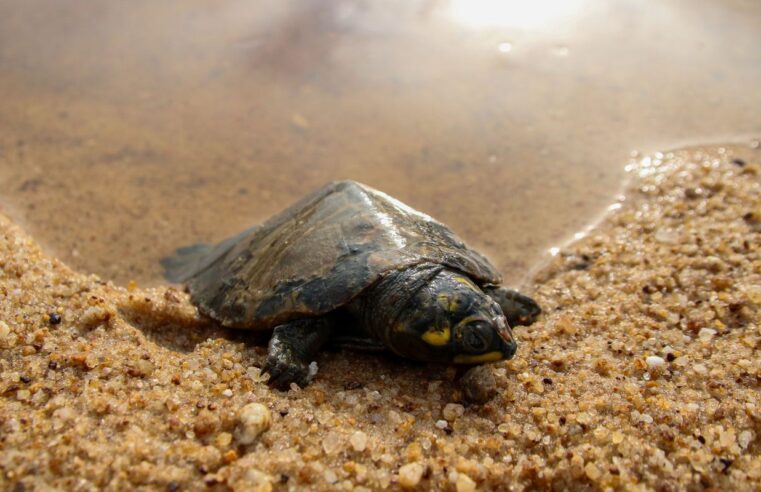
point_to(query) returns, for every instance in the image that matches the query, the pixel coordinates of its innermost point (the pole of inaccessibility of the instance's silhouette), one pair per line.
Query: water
(130, 128)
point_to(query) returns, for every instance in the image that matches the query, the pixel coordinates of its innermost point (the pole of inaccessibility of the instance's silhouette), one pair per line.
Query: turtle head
(450, 319)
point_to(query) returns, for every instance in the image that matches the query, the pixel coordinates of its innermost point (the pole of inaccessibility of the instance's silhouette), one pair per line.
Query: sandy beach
(642, 374)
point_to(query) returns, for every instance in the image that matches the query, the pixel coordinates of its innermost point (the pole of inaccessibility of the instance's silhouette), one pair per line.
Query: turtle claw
(284, 371)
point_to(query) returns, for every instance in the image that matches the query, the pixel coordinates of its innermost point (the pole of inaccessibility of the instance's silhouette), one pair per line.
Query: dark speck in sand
(54, 318)
(738, 162)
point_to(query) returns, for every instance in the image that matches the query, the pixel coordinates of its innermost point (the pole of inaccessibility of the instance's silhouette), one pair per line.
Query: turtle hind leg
(518, 309)
(188, 261)
(291, 349)
(185, 262)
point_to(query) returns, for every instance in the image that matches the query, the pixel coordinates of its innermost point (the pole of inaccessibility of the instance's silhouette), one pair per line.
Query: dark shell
(318, 255)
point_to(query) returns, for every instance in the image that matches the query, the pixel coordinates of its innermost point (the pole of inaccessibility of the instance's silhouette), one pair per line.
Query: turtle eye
(475, 337)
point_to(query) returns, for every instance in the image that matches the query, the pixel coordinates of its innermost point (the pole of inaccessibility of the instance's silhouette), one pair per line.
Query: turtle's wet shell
(319, 254)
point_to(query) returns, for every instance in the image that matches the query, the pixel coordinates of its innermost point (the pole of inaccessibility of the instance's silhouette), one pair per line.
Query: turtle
(352, 265)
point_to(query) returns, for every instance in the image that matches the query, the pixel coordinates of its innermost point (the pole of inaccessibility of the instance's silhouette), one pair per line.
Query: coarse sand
(642, 374)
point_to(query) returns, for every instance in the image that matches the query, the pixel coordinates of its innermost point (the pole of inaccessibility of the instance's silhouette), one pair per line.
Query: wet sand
(643, 373)
(132, 128)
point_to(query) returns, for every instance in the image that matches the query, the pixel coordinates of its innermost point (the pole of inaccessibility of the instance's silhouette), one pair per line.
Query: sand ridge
(643, 373)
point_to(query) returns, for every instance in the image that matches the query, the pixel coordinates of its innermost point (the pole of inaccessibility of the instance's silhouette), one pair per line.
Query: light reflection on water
(130, 128)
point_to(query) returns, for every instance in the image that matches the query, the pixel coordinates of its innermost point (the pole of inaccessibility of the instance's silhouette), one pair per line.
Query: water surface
(130, 128)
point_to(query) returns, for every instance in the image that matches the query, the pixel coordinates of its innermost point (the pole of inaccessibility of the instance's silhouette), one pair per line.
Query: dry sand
(643, 373)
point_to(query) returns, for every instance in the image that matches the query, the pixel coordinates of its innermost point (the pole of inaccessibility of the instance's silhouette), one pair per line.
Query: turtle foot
(291, 347)
(518, 309)
(286, 370)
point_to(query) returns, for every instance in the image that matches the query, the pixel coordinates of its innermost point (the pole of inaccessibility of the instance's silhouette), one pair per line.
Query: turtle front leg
(517, 308)
(292, 347)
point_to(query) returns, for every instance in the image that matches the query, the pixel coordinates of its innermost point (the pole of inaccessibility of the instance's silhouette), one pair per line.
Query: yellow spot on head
(477, 359)
(448, 302)
(437, 337)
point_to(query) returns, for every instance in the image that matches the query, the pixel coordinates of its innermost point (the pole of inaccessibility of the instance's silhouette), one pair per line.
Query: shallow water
(128, 129)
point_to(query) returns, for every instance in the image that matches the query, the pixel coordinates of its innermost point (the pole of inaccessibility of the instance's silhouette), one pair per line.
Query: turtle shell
(319, 254)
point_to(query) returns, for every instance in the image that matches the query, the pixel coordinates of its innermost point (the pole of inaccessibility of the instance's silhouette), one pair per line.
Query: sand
(643, 373)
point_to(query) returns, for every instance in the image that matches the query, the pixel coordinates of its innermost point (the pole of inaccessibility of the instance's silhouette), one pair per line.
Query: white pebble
(655, 362)
(700, 369)
(331, 443)
(254, 419)
(745, 438)
(441, 424)
(706, 334)
(358, 441)
(313, 368)
(228, 393)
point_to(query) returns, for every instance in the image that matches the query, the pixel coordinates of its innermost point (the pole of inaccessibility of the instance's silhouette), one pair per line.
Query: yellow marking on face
(437, 337)
(477, 359)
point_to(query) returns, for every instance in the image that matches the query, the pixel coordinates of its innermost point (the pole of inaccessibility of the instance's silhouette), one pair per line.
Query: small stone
(478, 384)
(441, 424)
(655, 362)
(223, 439)
(617, 437)
(706, 334)
(313, 369)
(358, 441)
(465, 483)
(227, 393)
(331, 443)
(254, 419)
(452, 411)
(592, 472)
(410, 475)
(700, 369)
(54, 318)
(5, 330)
(745, 438)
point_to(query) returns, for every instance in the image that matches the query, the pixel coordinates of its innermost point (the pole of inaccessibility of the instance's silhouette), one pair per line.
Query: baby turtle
(354, 265)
